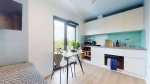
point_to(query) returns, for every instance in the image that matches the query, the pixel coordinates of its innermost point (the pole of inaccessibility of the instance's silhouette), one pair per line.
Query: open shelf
(86, 58)
(87, 53)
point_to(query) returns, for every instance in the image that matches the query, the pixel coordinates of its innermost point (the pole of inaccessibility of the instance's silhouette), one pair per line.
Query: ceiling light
(93, 1)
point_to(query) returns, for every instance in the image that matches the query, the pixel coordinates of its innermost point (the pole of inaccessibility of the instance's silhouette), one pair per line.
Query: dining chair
(73, 60)
(57, 59)
(59, 50)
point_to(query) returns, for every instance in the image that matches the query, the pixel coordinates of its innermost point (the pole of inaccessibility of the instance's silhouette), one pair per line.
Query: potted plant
(75, 46)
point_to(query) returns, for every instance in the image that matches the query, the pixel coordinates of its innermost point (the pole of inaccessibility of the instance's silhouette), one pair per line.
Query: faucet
(129, 41)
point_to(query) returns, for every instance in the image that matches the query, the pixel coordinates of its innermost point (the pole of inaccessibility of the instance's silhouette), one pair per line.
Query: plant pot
(73, 50)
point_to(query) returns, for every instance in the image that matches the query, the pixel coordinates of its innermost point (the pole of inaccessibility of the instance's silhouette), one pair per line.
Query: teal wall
(147, 29)
(88, 37)
(137, 38)
(143, 38)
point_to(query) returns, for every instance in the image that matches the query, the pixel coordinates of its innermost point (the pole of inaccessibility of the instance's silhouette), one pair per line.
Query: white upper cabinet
(115, 23)
(99, 26)
(134, 19)
(95, 27)
(88, 28)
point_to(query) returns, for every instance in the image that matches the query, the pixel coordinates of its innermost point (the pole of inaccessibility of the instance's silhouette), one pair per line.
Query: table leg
(67, 69)
(80, 64)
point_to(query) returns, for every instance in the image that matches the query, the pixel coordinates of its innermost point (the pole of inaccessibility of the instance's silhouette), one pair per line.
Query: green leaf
(75, 45)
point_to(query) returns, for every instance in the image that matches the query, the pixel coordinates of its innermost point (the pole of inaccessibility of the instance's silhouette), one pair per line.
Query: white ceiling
(101, 7)
(66, 5)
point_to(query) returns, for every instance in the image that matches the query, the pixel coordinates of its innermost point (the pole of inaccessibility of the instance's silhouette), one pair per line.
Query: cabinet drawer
(135, 54)
(118, 52)
(133, 65)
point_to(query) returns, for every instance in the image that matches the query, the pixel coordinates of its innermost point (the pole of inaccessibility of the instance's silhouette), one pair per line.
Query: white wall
(147, 26)
(41, 33)
(14, 44)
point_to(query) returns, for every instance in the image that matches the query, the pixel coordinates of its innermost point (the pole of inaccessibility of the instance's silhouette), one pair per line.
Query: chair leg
(74, 70)
(60, 76)
(71, 70)
(53, 71)
(52, 74)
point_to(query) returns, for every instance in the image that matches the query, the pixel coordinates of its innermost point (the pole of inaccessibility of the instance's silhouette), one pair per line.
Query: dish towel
(113, 64)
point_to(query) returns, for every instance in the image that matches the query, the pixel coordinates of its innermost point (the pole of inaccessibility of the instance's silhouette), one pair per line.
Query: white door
(134, 19)
(97, 56)
(134, 65)
(115, 23)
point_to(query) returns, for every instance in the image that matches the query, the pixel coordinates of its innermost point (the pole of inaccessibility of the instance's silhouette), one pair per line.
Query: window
(59, 34)
(64, 33)
(71, 35)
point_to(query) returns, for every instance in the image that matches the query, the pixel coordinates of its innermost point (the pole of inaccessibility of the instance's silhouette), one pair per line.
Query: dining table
(69, 54)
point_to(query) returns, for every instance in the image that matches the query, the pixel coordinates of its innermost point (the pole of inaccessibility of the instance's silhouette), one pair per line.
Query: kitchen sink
(132, 47)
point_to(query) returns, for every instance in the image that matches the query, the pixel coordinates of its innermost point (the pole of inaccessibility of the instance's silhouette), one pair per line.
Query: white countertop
(132, 48)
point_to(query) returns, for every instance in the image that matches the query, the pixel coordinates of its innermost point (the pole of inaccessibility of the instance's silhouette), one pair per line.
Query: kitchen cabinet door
(133, 65)
(97, 56)
(99, 26)
(95, 27)
(115, 23)
(141, 54)
(88, 28)
(112, 51)
(134, 19)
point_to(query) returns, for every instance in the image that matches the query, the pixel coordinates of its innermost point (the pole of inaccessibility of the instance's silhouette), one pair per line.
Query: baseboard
(119, 71)
(147, 81)
(87, 61)
(132, 74)
(47, 77)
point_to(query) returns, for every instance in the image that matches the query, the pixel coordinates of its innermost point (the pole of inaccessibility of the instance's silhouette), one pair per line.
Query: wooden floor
(94, 75)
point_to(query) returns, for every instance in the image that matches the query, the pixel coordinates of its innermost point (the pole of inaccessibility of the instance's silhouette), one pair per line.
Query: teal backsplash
(143, 38)
(136, 38)
(88, 37)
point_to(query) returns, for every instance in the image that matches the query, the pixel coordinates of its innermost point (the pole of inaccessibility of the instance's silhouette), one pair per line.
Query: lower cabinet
(134, 60)
(97, 56)
(111, 51)
(134, 65)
